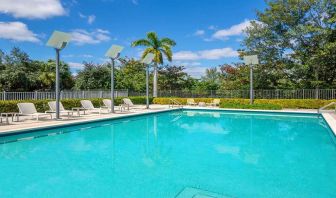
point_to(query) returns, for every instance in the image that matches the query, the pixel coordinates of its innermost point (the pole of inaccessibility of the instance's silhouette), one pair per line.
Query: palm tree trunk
(155, 81)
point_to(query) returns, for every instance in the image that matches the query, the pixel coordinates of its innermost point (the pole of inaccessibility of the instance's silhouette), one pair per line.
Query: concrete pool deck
(27, 123)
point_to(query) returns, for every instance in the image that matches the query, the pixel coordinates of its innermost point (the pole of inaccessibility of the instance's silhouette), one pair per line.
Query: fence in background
(37, 95)
(326, 94)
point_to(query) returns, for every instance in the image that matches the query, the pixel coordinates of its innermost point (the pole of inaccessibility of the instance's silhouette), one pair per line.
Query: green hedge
(283, 103)
(42, 105)
(164, 101)
(249, 106)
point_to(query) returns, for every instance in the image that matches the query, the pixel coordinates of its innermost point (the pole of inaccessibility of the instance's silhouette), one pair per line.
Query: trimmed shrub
(249, 106)
(181, 100)
(283, 103)
(42, 105)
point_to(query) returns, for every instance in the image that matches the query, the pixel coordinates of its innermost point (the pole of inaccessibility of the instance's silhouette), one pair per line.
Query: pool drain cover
(190, 192)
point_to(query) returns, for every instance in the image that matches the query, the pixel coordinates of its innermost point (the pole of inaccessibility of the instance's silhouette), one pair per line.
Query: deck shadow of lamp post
(251, 60)
(113, 53)
(147, 61)
(58, 41)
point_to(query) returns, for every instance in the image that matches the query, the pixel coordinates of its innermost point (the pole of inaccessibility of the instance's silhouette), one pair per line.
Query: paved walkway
(26, 122)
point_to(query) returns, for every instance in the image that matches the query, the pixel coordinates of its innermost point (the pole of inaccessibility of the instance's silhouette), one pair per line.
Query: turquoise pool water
(175, 154)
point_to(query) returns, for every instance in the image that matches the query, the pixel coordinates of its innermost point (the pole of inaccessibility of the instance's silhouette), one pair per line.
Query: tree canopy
(296, 44)
(19, 73)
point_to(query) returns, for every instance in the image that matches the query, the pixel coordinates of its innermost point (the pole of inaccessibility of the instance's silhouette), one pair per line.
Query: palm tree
(158, 47)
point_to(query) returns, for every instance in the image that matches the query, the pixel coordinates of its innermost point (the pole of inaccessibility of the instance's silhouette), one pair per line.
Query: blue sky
(207, 32)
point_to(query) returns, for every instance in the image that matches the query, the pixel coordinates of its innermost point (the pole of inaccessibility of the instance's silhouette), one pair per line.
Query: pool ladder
(173, 102)
(328, 105)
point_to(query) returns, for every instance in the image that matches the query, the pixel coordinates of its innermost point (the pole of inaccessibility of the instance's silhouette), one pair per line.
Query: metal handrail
(325, 106)
(175, 102)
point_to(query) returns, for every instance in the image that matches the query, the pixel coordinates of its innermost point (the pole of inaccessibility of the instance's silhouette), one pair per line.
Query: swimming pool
(181, 153)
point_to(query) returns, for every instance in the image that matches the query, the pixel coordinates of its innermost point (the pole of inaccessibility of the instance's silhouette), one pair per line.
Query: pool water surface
(208, 153)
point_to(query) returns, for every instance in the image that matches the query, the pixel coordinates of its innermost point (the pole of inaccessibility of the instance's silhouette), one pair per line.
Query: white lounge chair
(30, 110)
(127, 103)
(52, 106)
(191, 101)
(108, 104)
(214, 103)
(88, 106)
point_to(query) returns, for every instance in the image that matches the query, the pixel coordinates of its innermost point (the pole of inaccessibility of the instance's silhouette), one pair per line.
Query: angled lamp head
(251, 60)
(114, 51)
(58, 40)
(148, 59)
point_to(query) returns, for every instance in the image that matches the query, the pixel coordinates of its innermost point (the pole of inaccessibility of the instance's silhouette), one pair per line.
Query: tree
(93, 76)
(47, 75)
(211, 79)
(17, 72)
(296, 43)
(234, 77)
(158, 47)
(174, 78)
(131, 75)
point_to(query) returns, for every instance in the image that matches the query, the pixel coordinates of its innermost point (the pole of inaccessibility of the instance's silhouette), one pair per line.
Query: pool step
(190, 192)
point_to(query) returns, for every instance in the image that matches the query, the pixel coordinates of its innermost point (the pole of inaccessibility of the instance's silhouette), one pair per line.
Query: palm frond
(141, 42)
(147, 51)
(158, 57)
(168, 41)
(167, 52)
(154, 39)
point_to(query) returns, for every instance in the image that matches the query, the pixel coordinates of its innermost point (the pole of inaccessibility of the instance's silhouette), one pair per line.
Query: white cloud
(81, 37)
(87, 56)
(186, 63)
(17, 31)
(90, 19)
(212, 27)
(32, 9)
(211, 54)
(234, 30)
(135, 2)
(195, 71)
(193, 68)
(185, 55)
(81, 15)
(218, 53)
(74, 65)
(199, 33)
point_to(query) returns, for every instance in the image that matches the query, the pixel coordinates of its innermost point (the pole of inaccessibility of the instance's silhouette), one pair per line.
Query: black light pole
(251, 60)
(58, 41)
(251, 84)
(112, 83)
(147, 86)
(147, 61)
(113, 53)
(57, 87)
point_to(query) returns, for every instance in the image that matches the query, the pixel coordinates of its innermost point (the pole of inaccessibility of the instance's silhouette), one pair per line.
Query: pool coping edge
(327, 117)
(78, 122)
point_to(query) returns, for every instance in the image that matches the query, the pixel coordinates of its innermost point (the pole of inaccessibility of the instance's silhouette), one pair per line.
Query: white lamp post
(251, 60)
(58, 41)
(147, 61)
(113, 53)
